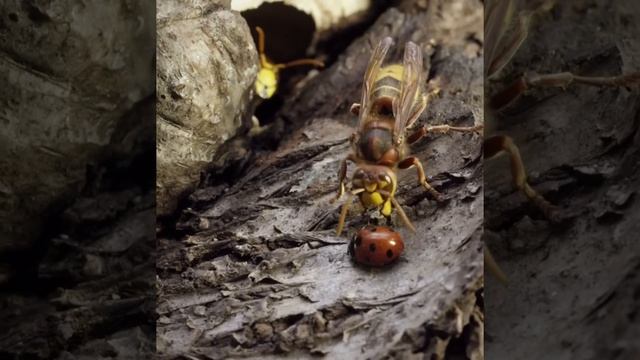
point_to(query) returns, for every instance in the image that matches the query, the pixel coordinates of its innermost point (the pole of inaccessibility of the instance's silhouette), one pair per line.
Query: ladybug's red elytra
(376, 246)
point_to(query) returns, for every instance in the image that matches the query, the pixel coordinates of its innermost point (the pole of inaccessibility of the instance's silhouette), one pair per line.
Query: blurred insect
(268, 76)
(507, 25)
(376, 246)
(392, 100)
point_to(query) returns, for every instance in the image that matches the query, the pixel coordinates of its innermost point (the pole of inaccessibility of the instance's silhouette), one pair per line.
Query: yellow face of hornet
(376, 186)
(267, 80)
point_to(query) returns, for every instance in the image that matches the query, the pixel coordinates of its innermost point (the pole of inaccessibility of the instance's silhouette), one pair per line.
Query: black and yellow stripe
(387, 83)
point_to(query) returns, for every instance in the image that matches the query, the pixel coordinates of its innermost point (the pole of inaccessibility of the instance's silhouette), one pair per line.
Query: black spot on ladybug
(372, 247)
(389, 253)
(358, 241)
(373, 229)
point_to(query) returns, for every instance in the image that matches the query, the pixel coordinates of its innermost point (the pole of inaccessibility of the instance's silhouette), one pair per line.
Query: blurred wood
(571, 284)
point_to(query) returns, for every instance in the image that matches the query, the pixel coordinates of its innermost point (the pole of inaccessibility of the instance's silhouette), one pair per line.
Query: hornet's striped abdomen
(386, 87)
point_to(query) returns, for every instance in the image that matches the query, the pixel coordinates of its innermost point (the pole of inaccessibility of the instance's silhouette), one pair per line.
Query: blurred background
(571, 282)
(77, 163)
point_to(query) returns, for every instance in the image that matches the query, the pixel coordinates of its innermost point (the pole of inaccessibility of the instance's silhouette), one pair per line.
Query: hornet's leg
(442, 129)
(491, 263)
(414, 161)
(496, 144)
(562, 80)
(402, 214)
(342, 173)
(343, 214)
(345, 210)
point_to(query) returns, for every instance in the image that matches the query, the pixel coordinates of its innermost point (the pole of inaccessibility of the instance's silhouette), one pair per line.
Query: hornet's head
(267, 81)
(376, 186)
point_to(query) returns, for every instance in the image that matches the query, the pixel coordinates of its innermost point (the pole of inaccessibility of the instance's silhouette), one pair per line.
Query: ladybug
(376, 246)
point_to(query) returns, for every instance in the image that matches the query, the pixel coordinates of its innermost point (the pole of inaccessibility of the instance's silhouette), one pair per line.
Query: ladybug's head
(352, 245)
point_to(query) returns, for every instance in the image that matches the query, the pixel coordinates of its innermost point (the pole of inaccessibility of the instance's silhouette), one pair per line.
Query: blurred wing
(375, 62)
(506, 28)
(411, 81)
(498, 15)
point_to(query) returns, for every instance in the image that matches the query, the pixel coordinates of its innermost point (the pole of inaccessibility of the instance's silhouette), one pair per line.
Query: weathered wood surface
(571, 286)
(259, 271)
(76, 137)
(206, 63)
(69, 70)
(89, 290)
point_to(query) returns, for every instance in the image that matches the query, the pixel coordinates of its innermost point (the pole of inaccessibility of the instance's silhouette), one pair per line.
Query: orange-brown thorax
(375, 144)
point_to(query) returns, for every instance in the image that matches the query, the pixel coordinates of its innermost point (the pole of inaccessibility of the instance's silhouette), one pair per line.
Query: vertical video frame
(320, 188)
